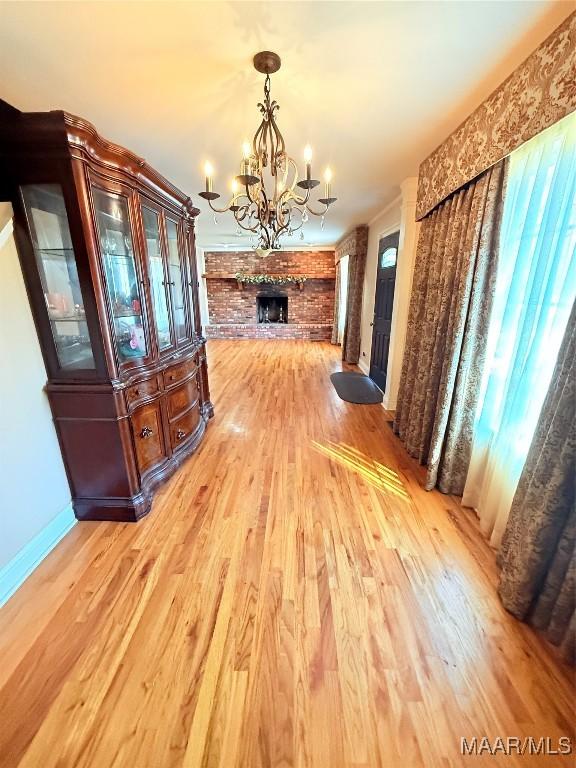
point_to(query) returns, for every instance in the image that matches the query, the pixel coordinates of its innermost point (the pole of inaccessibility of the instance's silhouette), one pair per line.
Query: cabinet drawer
(148, 436)
(184, 427)
(180, 399)
(178, 372)
(141, 391)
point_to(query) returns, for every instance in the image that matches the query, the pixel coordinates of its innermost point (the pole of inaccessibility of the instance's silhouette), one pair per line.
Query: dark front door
(385, 280)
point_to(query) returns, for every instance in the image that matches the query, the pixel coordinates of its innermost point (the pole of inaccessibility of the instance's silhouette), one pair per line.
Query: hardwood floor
(310, 605)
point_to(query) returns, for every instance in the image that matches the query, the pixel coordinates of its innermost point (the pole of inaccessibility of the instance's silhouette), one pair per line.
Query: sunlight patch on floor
(373, 472)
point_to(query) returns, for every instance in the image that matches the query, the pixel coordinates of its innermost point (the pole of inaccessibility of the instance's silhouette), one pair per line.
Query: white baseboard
(363, 367)
(366, 370)
(14, 573)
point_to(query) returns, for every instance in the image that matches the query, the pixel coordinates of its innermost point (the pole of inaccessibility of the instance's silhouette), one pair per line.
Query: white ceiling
(374, 87)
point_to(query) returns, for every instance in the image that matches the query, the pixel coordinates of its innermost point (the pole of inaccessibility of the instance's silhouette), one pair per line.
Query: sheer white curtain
(343, 297)
(535, 289)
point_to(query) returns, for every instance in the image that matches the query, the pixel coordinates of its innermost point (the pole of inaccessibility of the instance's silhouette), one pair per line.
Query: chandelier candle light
(265, 199)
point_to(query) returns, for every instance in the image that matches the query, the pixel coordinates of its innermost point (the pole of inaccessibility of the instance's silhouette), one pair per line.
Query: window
(343, 297)
(535, 290)
(388, 258)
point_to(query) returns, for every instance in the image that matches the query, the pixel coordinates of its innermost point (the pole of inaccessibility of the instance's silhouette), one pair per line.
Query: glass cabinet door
(177, 268)
(158, 281)
(122, 280)
(56, 262)
(191, 287)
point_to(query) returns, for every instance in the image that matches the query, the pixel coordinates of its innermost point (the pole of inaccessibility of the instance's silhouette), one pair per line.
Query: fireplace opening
(272, 309)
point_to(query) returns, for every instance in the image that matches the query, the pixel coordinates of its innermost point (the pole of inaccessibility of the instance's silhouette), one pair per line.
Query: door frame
(394, 232)
(364, 364)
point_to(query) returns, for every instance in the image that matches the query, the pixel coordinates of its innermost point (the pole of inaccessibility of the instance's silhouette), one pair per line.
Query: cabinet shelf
(55, 250)
(55, 254)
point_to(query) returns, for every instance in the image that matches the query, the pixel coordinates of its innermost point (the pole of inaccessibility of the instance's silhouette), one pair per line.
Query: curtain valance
(352, 243)
(535, 96)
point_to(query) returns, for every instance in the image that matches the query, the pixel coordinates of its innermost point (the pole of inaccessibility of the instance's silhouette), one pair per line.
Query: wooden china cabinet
(107, 250)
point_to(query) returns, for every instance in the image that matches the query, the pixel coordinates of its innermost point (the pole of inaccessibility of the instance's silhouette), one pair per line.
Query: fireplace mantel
(226, 276)
(242, 283)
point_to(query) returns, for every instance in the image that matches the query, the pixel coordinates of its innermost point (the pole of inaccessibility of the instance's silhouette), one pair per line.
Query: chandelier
(269, 199)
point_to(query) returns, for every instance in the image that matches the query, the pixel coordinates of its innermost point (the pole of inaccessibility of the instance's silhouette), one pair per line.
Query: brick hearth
(232, 310)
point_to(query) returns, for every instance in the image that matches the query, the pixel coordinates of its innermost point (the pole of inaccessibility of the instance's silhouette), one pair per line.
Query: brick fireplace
(270, 310)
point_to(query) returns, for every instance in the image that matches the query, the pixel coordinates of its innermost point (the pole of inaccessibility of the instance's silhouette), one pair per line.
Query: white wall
(398, 216)
(33, 485)
(202, 288)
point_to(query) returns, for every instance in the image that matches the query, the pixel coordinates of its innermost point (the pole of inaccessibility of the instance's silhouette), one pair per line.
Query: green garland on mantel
(278, 279)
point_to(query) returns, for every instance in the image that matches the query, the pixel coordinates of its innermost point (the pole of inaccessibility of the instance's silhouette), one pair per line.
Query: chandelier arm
(254, 201)
(284, 228)
(301, 224)
(219, 210)
(281, 230)
(241, 213)
(282, 216)
(257, 140)
(264, 236)
(269, 148)
(277, 135)
(228, 207)
(293, 228)
(297, 199)
(246, 228)
(291, 164)
(263, 202)
(246, 212)
(317, 213)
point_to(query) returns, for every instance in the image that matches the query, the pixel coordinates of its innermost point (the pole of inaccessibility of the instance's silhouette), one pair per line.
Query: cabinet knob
(180, 434)
(146, 432)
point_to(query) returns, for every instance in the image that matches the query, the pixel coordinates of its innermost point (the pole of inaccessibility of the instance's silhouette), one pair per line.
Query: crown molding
(397, 200)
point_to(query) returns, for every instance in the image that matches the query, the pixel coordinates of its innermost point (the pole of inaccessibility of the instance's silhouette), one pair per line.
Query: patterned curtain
(453, 288)
(336, 304)
(355, 246)
(538, 579)
(351, 340)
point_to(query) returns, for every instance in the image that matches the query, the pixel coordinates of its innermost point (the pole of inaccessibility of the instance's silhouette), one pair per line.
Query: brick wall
(288, 262)
(304, 332)
(232, 310)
